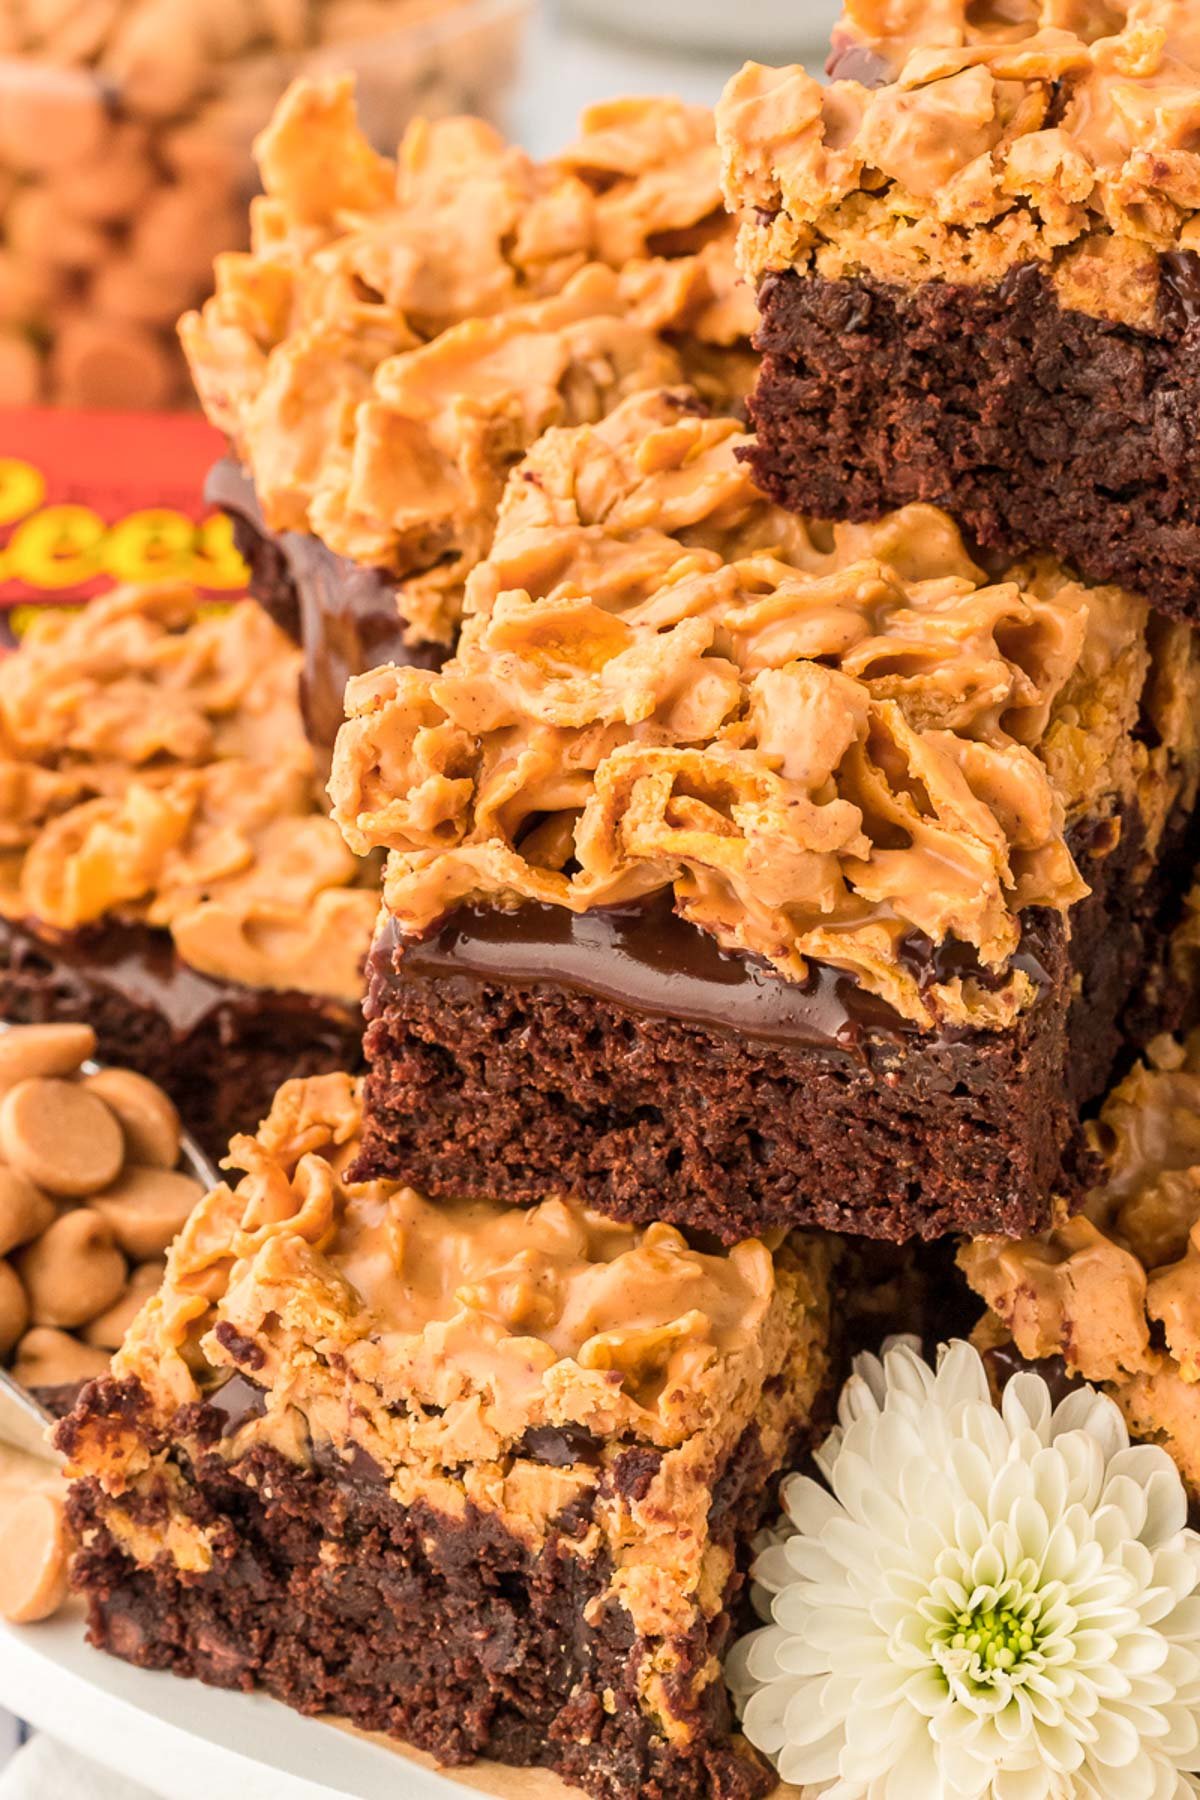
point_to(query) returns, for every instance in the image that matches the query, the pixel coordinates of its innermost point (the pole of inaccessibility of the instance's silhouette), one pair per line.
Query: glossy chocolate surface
(1180, 290)
(644, 957)
(647, 959)
(141, 965)
(343, 615)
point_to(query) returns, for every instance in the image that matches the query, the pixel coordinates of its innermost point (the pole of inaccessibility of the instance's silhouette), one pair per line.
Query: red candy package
(90, 500)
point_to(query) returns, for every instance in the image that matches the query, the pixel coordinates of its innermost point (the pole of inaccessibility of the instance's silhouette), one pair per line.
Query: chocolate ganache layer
(342, 614)
(647, 958)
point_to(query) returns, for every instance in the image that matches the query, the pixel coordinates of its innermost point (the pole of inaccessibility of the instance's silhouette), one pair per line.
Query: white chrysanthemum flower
(990, 1604)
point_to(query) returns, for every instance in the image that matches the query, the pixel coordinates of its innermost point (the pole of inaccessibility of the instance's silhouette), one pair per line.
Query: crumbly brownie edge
(1035, 426)
(446, 1633)
(221, 1071)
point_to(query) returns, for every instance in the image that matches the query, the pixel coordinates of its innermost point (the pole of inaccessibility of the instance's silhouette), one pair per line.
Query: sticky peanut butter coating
(402, 330)
(821, 741)
(956, 142)
(455, 1341)
(153, 768)
(1115, 1291)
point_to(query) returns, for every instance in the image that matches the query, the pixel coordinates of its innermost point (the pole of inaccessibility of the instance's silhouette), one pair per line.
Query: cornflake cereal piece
(157, 771)
(402, 331)
(961, 143)
(1115, 1291)
(822, 742)
(593, 1408)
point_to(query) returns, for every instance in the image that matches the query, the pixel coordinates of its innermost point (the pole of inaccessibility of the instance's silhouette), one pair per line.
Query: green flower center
(998, 1636)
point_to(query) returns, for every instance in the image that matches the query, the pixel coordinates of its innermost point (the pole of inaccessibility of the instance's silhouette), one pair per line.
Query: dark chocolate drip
(237, 1400)
(343, 615)
(1179, 288)
(1005, 1360)
(953, 960)
(648, 959)
(141, 965)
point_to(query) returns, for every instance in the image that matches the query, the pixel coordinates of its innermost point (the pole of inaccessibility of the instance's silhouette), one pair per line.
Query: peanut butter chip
(47, 1358)
(108, 1331)
(14, 1309)
(74, 1271)
(24, 1210)
(64, 1139)
(146, 1208)
(34, 1558)
(146, 1116)
(29, 1050)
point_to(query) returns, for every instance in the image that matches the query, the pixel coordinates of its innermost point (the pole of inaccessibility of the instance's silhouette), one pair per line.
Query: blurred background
(583, 50)
(125, 132)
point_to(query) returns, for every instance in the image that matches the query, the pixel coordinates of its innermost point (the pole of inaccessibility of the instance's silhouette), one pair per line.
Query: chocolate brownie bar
(1110, 1296)
(978, 265)
(166, 871)
(747, 873)
(479, 1477)
(402, 331)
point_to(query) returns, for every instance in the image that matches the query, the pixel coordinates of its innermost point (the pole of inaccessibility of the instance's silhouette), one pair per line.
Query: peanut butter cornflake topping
(497, 1357)
(153, 768)
(1116, 1291)
(1065, 129)
(823, 740)
(402, 330)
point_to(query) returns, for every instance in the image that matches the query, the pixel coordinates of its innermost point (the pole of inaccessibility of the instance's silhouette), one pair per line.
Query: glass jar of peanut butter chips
(126, 129)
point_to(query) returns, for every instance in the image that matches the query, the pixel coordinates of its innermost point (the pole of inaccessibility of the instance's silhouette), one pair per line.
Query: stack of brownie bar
(167, 875)
(789, 838)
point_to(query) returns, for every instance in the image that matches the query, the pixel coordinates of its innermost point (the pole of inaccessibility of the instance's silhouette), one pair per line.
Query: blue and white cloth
(38, 1768)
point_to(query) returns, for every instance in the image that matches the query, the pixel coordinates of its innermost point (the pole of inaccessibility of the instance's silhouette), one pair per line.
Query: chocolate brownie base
(219, 1049)
(343, 616)
(632, 1063)
(1038, 428)
(478, 1086)
(446, 1632)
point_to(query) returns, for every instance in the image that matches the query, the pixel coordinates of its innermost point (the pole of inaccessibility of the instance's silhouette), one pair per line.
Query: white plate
(185, 1741)
(766, 28)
